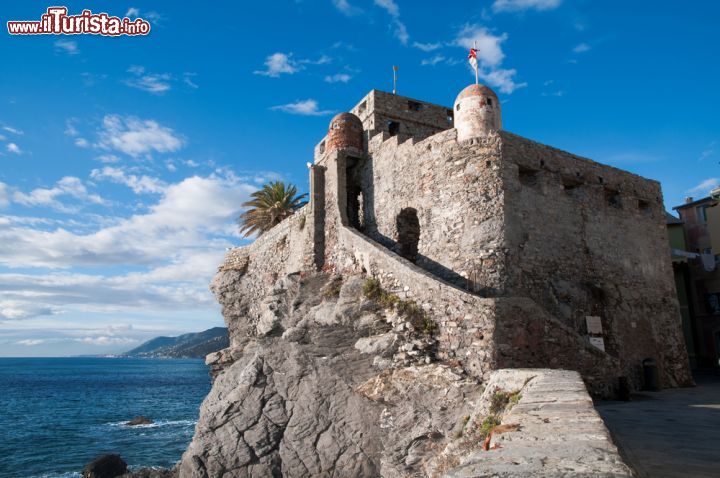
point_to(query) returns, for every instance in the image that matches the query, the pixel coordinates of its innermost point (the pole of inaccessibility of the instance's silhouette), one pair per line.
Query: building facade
(701, 227)
(524, 255)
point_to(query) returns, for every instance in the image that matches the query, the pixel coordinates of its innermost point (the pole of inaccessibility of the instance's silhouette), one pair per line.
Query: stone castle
(522, 254)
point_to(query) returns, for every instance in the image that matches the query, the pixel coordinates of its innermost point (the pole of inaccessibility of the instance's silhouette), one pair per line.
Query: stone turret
(477, 112)
(345, 131)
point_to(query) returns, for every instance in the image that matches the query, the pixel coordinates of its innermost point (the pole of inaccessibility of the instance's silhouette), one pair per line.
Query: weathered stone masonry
(507, 244)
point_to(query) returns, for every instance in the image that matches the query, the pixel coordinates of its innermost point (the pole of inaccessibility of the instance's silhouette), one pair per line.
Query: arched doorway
(408, 227)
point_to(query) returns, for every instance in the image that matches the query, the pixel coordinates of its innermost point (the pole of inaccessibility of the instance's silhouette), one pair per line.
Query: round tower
(346, 131)
(477, 112)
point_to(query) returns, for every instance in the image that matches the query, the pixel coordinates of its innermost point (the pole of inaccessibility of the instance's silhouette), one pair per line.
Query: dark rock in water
(105, 466)
(139, 421)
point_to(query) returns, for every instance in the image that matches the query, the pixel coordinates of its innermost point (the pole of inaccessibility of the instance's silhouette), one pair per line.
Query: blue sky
(123, 161)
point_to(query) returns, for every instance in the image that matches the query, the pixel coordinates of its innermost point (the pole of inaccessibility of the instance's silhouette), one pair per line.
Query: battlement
(402, 116)
(395, 115)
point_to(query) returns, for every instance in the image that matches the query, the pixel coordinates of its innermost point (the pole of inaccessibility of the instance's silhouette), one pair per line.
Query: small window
(414, 106)
(702, 213)
(644, 207)
(321, 148)
(488, 101)
(612, 198)
(393, 128)
(528, 176)
(571, 184)
(362, 107)
(457, 108)
(336, 125)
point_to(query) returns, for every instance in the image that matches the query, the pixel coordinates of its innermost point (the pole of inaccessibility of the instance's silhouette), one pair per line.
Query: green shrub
(372, 289)
(332, 290)
(490, 422)
(502, 401)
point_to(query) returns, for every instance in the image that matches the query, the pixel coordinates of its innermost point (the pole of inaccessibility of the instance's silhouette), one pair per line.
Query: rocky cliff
(338, 377)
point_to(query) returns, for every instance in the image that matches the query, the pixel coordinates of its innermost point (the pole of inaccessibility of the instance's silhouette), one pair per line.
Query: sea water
(57, 414)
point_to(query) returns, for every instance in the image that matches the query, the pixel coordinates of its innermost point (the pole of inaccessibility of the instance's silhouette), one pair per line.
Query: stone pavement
(560, 434)
(672, 433)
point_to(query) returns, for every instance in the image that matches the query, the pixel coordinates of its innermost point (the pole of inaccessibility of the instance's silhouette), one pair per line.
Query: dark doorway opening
(354, 193)
(408, 227)
(393, 128)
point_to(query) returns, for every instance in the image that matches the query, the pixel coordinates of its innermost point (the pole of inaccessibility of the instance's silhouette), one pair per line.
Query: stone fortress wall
(508, 244)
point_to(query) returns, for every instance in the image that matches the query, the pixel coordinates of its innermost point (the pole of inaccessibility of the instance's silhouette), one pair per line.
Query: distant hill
(196, 345)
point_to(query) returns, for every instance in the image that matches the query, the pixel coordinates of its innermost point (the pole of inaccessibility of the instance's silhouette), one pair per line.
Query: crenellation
(509, 245)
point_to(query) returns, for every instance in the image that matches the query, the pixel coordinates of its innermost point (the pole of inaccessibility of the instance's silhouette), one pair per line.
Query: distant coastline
(187, 346)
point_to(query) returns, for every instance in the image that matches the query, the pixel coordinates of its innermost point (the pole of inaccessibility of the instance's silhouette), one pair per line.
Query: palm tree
(268, 207)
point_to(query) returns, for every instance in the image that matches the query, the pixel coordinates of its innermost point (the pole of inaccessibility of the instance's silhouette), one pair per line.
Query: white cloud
(708, 152)
(155, 83)
(400, 31)
(104, 340)
(134, 136)
(12, 130)
(307, 107)
(81, 142)
(187, 79)
(134, 12)
(581, 48)
(432, 61)
(427, 47)
(70, 129)
(13, 148)
(490, 56)
(30, 342)
(107, 158)
(503, 79)
(4, 195)
(278, 64)
(158, 261)
(522, 5)
(489, 46)
(390, 6)
(346, 8)
(139, 184)
(338, 78)
(22, 309)
(68, 186)
(68, 47)
(186, 217)
(705, 186)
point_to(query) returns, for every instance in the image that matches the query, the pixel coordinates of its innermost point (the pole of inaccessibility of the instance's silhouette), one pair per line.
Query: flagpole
(476, 62)
(395, 69)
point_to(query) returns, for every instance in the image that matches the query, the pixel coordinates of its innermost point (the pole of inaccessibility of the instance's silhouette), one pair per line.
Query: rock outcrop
(105, 466)
(336, 378)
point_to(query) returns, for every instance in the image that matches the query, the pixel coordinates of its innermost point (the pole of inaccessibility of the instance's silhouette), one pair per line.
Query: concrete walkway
(673, 433)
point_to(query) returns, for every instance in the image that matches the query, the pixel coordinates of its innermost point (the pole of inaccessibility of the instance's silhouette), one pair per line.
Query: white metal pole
(476, 62)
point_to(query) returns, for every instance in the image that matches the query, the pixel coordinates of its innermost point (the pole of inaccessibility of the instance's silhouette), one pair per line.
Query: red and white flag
(472, 57)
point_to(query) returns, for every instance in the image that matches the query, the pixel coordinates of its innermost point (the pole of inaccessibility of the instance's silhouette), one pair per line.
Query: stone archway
(408, 227)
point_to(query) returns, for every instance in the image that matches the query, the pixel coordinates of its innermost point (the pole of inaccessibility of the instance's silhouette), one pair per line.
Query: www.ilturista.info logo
(57, 22)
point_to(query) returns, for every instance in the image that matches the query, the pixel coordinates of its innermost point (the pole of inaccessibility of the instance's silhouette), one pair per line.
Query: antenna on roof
(395, 69)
